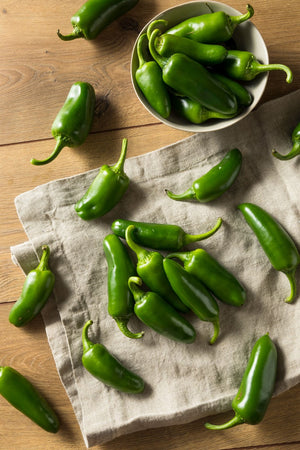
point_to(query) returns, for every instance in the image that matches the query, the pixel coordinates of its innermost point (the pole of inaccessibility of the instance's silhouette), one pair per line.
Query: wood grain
(36, 72)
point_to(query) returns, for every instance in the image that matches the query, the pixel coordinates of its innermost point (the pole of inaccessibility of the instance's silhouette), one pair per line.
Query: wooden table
(36, 72)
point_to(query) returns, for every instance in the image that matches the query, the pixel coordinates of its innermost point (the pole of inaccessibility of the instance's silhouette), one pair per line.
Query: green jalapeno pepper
(157, 314)
(212, 27)
(191, 79)
(215, 182)
(160, 236)
(193, 294)
(106, 190)
(149, 79)
(296, 146)
(74, 120)
(213, 275)
(243, 65)
(106, 368)
(120, 268)
(36, 290)
(257, 386)
(167, 44)
(243, 96)
(94, 16)
(150, 269)
(275, 241)
(23, 396)
(194, 112)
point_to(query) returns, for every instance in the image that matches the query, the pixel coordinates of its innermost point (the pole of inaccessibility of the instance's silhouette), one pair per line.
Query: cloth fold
(183, 382)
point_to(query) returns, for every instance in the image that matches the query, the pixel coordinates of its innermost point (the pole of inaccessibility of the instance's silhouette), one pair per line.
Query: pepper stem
(236, 420)
(70, 37)
(137, 292)
(243, 17)
(294, 152)
(86, 342)
(291, 278)
(43, 265)
(122, 324)
(160, 24)
(259, 68)
(140, 49)
(182, 256)
(119, 166)
(161, 61)
(188, 194)
(140, 251)
(60, 144)
(189, 238)
(216, 325)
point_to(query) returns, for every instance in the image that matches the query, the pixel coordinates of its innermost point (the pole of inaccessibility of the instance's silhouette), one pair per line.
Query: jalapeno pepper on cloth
(215, 182)
(212, 27)
(257, 386)
(275, 241)
(193, 294)
(36, 290)
(94, 16)
(21, 394)
(295, 149)
(191, 79)
(160, 236)
(74, 121)
(106, 190)
(157, 314)
(106, 368)
(120, 268)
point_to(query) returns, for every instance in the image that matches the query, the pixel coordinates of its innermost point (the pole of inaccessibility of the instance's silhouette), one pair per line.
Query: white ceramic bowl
(246, 37)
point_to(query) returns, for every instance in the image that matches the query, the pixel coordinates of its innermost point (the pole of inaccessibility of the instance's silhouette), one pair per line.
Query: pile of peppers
(191, 70)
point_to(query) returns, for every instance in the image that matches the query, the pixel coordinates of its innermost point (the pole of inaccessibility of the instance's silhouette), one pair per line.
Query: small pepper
(74, 121)
(94, 16)
(194, 112)
(193, 294)
(208, 54)
(149, 79)
(257, 386)
(150, 270)
(23, 396)
(120, 268)
(244, 66)
(296, 146)
(213, 275)
(106, 368)
(160, 236)
(35, 293)
(212, 27)
(191, 79)
(215, 182)
(275, 241)
(106, 190)
(157, 314)
(243, 96)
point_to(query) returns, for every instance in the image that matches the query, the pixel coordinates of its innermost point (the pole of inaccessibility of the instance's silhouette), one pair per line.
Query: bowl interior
(246, 37)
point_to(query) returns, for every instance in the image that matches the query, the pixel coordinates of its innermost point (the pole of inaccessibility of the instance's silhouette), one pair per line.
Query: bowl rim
(214, 124)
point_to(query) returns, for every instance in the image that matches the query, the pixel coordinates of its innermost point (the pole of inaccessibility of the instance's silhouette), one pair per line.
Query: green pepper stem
(160, 24)
(140, 251)
(259, 68)
(243, 17)
(236, 420)
(122, 324)
(291, 278)
(216, 325)
(137, 292)
(43, 265)
(86, 342)
(70, 37)
(119, 166)
(161, 61)
(140, 49)
(60, 144)
(190, 238)
(188, 194)
(294, 152)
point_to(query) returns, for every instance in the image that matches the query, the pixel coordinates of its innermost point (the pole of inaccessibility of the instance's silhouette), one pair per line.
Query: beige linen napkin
(183, 382)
